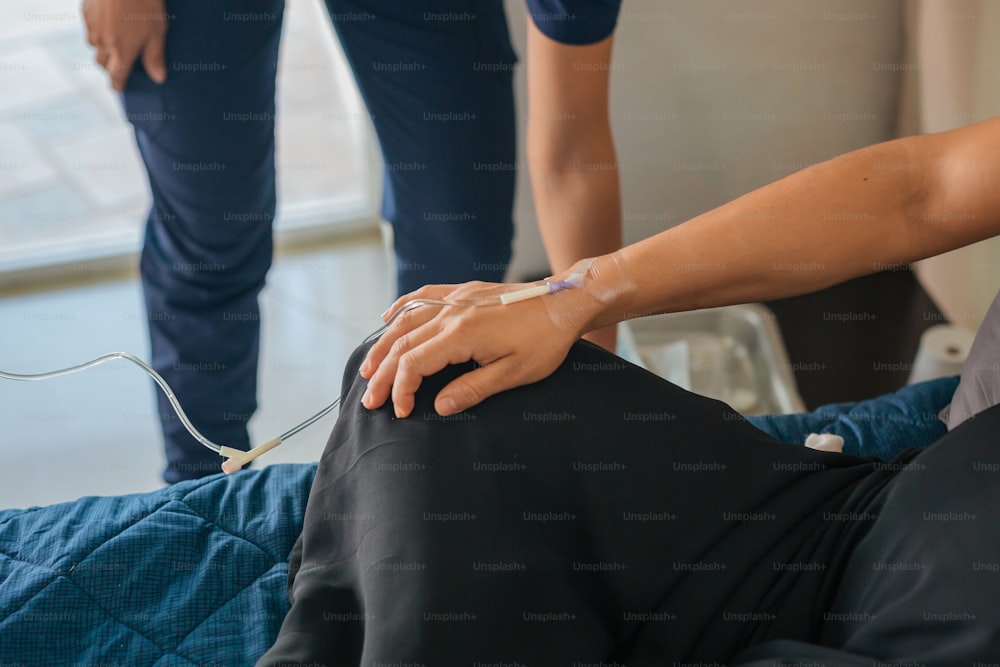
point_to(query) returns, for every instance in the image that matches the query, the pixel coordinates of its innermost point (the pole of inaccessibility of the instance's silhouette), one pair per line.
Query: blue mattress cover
(192, 574)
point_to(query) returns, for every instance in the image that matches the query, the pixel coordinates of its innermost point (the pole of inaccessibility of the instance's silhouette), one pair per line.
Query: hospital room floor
(96, 433)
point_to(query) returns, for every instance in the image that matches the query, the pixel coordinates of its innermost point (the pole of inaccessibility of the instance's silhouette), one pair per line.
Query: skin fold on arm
(895, 202)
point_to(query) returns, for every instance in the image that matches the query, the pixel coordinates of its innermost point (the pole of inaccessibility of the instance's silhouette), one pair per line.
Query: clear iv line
(222, 450)
(138, 362)
(237, 458)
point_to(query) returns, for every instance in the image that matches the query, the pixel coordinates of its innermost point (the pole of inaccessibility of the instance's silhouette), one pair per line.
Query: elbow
(564, 148)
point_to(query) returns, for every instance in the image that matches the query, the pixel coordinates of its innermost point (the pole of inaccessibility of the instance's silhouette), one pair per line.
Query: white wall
(955, 45)
(712, 98)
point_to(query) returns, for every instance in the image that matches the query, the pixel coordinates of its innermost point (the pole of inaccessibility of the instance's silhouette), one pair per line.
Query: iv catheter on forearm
(237, 458)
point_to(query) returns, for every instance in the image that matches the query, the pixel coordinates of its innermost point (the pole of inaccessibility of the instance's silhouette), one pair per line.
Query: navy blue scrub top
(575, 21)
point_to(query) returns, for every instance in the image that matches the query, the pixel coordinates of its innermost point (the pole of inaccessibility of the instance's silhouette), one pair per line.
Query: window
(72, 186)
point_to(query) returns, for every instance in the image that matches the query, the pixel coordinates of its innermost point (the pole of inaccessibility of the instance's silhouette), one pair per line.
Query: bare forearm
(571, 154)
(570, 150)
(578, 207)
(579, 216)
(896, 202)
(891, 203)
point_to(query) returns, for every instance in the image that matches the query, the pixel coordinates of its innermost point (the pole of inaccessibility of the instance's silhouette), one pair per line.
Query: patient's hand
(514, 344)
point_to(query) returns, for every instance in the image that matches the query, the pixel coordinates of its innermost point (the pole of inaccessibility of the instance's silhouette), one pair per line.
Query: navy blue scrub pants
(436, 77)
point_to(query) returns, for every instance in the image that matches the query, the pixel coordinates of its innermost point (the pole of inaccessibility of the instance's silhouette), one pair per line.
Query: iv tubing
(138, 362)
(237, 458)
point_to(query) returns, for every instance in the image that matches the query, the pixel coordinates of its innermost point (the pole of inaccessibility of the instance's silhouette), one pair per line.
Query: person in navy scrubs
(198, 84)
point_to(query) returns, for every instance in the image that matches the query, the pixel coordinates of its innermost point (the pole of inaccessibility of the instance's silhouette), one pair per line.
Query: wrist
(601, 296)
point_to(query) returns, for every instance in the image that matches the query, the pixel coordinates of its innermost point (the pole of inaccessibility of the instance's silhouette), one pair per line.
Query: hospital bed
(195, 573)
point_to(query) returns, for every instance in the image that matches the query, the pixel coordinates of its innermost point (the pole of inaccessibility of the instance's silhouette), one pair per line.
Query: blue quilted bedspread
(193, 574)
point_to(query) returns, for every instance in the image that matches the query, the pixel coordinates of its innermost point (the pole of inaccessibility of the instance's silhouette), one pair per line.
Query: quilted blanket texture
(192, 574)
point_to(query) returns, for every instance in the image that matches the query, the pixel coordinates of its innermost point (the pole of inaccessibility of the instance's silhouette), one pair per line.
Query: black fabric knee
(923, 584)
(601, 514)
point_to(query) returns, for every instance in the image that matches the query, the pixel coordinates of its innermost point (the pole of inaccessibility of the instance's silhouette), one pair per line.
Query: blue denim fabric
(881, 427)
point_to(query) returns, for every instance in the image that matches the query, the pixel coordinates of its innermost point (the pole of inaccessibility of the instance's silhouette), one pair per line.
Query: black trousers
(606, 516)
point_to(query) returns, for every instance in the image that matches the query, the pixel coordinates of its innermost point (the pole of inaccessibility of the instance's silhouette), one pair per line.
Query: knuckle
(378, 350)
(466, 289)
(471, 393)
(401, 346)
(405, 317)
(462, 325)
(513, 370)
(423, 291)
(408, 361)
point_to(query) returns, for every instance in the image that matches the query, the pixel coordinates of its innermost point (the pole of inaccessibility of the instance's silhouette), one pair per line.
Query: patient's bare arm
(895, 202)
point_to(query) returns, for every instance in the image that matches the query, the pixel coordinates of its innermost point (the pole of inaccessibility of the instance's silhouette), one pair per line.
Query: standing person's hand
(123, 31)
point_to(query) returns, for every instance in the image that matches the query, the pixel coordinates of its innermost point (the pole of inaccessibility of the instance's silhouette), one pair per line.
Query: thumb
(153, 59)
(476, 386)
